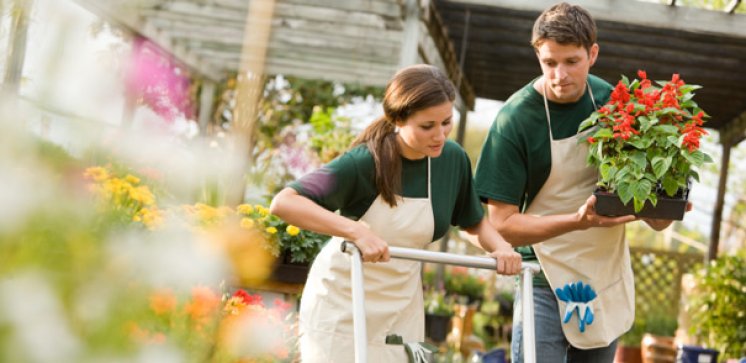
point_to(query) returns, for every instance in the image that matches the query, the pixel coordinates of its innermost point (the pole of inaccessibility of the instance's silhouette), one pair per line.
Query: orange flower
(162, 302)
(204, 303)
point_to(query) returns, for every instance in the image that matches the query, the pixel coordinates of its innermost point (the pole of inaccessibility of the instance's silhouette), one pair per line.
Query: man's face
(565, 68)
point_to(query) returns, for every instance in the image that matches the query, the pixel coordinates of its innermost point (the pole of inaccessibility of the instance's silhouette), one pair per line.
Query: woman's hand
(508, 261)
(372, 248)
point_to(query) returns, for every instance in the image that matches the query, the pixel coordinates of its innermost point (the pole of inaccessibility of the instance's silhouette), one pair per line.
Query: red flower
(642, 74)
(249, 299)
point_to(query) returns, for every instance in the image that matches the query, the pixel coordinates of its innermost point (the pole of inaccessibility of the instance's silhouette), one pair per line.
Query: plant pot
(290, 272)
(658, 349)
(437, 327)
(609, 204)
(628, 354)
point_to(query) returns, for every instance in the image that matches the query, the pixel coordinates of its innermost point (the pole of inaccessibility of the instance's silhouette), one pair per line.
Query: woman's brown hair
(412, 89)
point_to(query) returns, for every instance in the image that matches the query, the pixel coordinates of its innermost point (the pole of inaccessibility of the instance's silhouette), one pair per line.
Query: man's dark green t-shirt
(348, 184)
(516, 158)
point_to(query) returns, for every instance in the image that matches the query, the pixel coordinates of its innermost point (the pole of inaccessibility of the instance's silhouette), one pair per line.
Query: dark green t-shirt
(348, 184)
(516, 158)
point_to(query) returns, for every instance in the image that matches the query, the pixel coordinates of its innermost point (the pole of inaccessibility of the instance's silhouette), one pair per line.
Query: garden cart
(358, 292)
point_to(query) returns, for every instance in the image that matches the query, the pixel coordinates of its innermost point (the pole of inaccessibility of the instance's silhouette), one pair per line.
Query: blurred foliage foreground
(95, 268)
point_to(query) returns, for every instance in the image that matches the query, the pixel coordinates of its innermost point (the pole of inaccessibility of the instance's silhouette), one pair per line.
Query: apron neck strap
(546, 103)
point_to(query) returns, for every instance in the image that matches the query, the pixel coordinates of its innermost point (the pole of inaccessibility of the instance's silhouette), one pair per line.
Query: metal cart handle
(358, 293)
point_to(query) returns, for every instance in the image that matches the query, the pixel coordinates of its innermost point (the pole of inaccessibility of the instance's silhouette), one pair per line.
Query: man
(533, 175)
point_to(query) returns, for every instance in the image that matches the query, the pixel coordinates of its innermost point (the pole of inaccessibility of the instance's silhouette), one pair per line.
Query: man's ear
(593, 53)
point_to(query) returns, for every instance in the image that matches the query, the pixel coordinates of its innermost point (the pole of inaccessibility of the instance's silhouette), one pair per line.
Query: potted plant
(438, 313)
(293, 247)
(645, 144)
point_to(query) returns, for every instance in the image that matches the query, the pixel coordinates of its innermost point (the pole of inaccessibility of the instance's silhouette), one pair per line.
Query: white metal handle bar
(358, 293)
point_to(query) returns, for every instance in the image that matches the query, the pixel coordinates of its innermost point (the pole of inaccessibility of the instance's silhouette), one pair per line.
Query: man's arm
(524, 229)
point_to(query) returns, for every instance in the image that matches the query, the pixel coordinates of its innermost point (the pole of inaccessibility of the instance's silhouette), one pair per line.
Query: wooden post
(16, 45)
(250, 86)
(717, 217)
(411, 38)
(206, 96)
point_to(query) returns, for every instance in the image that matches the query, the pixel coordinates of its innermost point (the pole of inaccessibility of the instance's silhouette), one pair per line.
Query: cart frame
(528, 270)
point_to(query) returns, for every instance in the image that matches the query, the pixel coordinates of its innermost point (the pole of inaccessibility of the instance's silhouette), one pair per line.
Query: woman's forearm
(302, 212)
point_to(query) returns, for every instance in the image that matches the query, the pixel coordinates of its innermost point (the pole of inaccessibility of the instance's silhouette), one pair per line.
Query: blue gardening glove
(578, 297)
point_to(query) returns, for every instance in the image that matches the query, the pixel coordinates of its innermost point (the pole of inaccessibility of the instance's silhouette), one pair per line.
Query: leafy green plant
(717, 309)
(284, 240)
(646, 139)
(437, 303)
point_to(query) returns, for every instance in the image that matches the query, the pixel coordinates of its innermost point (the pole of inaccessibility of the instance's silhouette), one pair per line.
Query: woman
(403, 183)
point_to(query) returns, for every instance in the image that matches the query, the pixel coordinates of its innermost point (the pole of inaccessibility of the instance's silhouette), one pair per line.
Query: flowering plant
(300, 245)
(646, 139)
(128, 199)
(237, 327)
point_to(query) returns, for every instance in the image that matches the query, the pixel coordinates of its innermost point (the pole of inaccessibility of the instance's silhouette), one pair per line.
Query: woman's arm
(300, 211)
(508, 261)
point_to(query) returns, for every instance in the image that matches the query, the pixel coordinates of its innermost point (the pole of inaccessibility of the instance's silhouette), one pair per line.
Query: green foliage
(437, 303)
(460, 283)
(301, 246)
(332, 134)
(656, 322)
(645, 140)
(717, 309)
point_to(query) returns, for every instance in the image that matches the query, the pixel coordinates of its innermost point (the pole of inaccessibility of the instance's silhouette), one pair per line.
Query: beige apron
(596, 256)
(393, 290)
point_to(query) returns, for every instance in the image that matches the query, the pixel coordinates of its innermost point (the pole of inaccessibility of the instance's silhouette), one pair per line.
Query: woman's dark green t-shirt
(347, 184)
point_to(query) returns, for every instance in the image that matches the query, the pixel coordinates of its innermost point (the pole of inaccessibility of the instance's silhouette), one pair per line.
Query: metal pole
(358, 303)
(358, 310)
(527, 304)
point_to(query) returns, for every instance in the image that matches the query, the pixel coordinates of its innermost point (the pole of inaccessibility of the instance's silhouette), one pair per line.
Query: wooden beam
(662, 16)
(127, 17)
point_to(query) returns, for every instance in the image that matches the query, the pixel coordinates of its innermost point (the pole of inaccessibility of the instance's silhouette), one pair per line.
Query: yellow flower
(247, 223)
(132, 179)
(96, 173)
(271, 230)
(292, 230)
(245, 209)
(262, 210)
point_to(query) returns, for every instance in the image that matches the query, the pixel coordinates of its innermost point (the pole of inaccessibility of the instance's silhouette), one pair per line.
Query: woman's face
(424, 133)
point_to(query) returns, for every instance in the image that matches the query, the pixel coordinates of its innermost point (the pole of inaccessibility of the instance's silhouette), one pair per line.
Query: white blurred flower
(169, 257)
(39, 328)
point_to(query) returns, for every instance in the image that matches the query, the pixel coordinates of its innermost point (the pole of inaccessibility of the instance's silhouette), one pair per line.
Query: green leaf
(587, 123)
(661, 165)
(642, 189)
(670, 185)
(639, 204)
(625, 192)
(668, 129)
(625, 80)
(603, 133)
(639, 159)
(696, 158)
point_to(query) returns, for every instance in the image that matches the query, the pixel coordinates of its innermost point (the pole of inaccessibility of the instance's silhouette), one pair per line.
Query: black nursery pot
(609, 204)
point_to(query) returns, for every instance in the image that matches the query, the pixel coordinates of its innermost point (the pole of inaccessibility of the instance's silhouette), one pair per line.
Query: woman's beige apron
(393, 290)
(596, 256)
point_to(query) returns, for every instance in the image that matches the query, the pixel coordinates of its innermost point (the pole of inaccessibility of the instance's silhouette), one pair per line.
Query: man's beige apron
(393, 290)
(596, 256)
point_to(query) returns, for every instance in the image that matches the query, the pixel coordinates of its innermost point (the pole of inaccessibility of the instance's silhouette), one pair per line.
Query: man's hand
(661, 224)
(587, 217)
